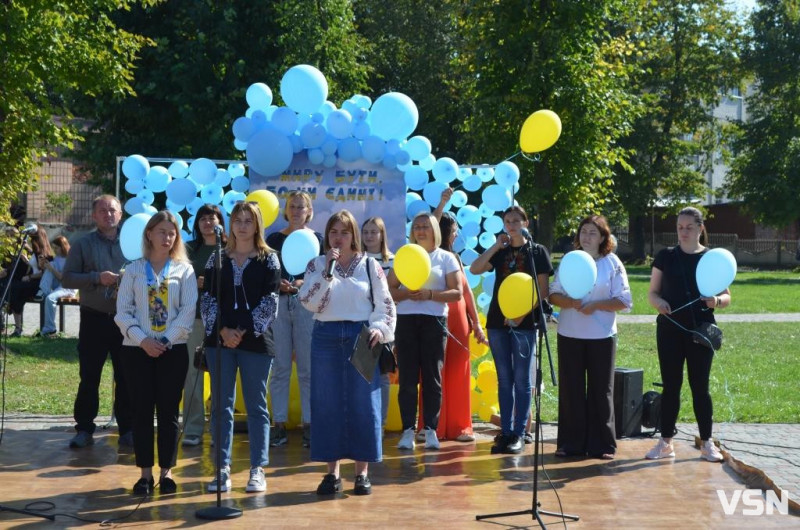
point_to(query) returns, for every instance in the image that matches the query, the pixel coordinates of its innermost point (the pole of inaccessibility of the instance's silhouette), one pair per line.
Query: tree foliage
(191, 86)
(689, 58)
(48, 50)
(766, 172)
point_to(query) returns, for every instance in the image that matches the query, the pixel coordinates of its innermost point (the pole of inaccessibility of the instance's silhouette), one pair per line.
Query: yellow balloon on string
(540, 131)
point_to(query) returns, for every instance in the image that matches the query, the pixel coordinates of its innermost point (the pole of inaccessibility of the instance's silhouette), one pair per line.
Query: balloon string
(450, 335)
(687, 304)
(535, 158)
(513, 156)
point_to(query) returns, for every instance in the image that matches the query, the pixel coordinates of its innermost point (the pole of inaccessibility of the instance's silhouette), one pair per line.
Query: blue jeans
(292, 330)
(254, 370)
(514, 352)
(346, 409)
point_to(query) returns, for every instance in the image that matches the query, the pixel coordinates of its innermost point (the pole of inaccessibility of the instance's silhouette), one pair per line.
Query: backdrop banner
(366, 189)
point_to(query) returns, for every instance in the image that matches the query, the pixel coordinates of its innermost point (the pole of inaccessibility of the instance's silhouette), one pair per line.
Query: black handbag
(388, 360)
(200, 358)
(708, 335)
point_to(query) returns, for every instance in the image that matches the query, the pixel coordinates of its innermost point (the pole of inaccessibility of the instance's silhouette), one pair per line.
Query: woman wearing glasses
(513, 342)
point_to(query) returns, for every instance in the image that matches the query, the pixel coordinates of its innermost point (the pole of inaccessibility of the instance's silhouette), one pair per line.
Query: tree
(191, 86)
(689, 57)
(766, 172)
(49, 50)
(572, 57)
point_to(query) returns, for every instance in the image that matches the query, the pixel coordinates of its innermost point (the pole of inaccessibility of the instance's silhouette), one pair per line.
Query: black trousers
(676, 347)
(586, 396)
(19, 292)
(155, 385)
(99, 337)
(420, 343)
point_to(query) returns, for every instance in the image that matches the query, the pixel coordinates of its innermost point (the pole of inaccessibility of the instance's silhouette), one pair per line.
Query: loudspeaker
(628, 401)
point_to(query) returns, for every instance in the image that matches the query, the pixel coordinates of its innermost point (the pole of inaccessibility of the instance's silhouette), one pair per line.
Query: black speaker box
(628, 384)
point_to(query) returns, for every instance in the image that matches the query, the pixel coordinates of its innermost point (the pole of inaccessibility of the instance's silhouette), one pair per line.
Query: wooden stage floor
(433, 489)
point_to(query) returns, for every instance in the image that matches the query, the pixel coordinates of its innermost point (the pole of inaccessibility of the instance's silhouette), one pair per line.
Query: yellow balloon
(516, 295)
(412, 265)
(267, 203)
(487, 383)
(486, 365)
(540, 131)
(393, 420)
(476, 402)
(476, 349)
(473, 383)
(486, 412)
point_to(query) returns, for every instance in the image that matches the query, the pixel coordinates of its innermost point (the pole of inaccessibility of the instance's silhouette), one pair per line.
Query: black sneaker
(81, 439)
(167, 486)
(527, 438)
(278, 436)
(363, 485)
(514, 445)
(307, 435)
(143, 486)
(329, 485)
(500, 443)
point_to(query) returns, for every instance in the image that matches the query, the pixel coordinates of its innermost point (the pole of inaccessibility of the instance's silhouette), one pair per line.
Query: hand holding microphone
(332, 255)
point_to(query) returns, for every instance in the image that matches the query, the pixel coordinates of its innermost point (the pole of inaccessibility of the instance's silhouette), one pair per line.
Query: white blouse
(346, 296)
(612, 282)
(133, 316)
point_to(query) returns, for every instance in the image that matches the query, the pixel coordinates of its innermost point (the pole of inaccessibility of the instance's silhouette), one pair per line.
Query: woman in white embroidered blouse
(346, 408)
(155, 311)
(587, 344)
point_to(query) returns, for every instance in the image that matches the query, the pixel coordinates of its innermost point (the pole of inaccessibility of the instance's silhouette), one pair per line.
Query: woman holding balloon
(513, 339)
(587, 341)
(431, 278)
(292, 329)
(675, 292)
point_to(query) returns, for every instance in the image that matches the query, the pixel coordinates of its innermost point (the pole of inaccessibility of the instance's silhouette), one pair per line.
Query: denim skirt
(346, 409)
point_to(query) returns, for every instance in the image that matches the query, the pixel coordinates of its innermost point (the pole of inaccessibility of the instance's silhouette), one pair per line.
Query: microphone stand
(534, 511)
(215, 513)
(10, 276)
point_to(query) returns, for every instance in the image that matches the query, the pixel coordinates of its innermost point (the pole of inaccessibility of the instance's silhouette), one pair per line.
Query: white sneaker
(421, 436)
(407, 440)
(431, 440)
(709, 451)
(225, 476)
(257, 481)
(661, 450)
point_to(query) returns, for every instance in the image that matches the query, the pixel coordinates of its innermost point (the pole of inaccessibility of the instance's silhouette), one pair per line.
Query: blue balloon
(284, 119)
(340, 124)
(471, 242)
(179, 169)
(483, 301)
(470, 229)
(258, 96)
(349, 149)
(411, 197)
(175, 208)
(297, 143)
(466, 214)
(304, 89)
(485, 212)
(316, 156)
(393, 146)
(243, 128)
(427, 162)
(374, 149)
(418, 147)
(131, 234)
(178, 218)
(269, 153)
(300, 247)
(329, 146)
(468, 256)
(577, 273)
(506, 174)
(194, 205)
(240, 183)
(445, 170)
(157, 179)
(464, 173)
(402, 158)
(146, 196)
(485, 173)
(389, 161)
(223, 178)
(432, 192)
(415, 178)
(313, 134)
(472, 183)
(186, 236)
(488, 282)
(496, 197)
(487, 239)
(239, 145)
(493, 224)
(134, 205)
(459, 243)
(135, 167)
(211, 194)
(416, 207)
(473, 280)
(329, 161)
(181, 191)
(715, 271)
(236, 170)
(134, 186)
(325, 109)
(459, 198)
(361, 130)
(230, 199)
(203, 171)
(394, 115)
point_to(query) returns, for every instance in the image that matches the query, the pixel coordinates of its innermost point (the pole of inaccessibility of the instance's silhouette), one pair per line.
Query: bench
(61, 304)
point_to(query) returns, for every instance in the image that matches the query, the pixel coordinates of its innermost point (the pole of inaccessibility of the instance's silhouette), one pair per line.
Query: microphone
(331, 266)
(218, 230)
(524, 233)
(29, 229)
